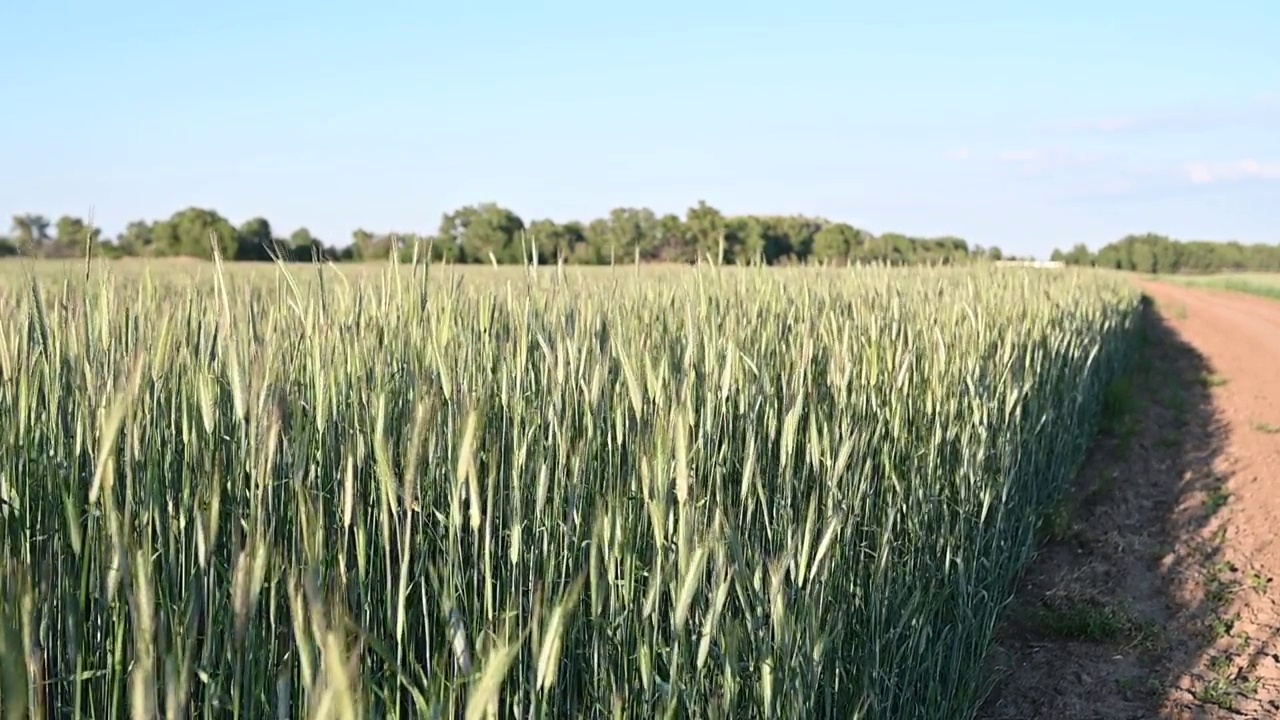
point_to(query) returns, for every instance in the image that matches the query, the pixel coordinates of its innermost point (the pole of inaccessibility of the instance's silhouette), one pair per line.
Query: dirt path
(1153, 596)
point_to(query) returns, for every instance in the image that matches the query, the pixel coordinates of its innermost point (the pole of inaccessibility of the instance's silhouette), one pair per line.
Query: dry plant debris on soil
(1154, 593)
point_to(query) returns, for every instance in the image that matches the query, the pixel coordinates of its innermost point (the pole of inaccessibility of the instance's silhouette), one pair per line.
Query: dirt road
(1154, 596)
(1240, 337)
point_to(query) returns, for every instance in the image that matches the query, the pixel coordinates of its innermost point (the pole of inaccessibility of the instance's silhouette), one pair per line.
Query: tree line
(488, 232)
(1158, 254)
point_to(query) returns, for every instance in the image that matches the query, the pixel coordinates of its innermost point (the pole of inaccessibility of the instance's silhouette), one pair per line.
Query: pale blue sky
(1020, 124)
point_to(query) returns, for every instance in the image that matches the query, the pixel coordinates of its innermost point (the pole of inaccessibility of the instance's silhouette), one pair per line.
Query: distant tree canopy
(488, 232)
(1151, 253)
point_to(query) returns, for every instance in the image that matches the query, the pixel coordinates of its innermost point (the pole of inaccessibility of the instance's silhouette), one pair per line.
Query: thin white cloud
(1201, 173)
(963, 153)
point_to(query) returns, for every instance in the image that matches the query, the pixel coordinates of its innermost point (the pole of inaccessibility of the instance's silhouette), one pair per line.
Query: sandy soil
(1154, 593)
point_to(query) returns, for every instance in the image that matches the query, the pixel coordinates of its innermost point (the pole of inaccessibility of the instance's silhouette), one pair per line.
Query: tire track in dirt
(1152, 595)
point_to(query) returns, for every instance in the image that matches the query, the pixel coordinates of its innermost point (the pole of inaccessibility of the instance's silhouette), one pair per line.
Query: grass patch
(1213, 380)
(1259, 582)
(1217, 499)
(1226, 686)
(1219, 586)
(1085, 619)
(1218, 692)
(1057, 524)
(1265, 285)
(1265, 427)
(1119, 419)
(1221, 626)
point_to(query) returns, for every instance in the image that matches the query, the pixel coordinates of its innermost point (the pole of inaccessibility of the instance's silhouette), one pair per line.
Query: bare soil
(1154, 594)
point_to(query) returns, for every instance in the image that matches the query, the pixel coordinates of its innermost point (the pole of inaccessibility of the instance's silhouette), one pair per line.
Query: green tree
(364, 246)
(474, 233)
(894, 248)
(555, 240)
(138, 238)
(190, 232)
(256, 241)
(302, 238)
(368, 247)
(672, 240)
(632, 231)
(31, 233)
(72, 237)
(479, 230)
(706, 228)
(836, 243)
(1079, 255)
(1155, 253)
(746, 236)
(790, 238)
(947, 250)
(305, 247)
(595, 248)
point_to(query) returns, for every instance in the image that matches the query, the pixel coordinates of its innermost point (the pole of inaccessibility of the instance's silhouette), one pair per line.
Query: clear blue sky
(1026, 125)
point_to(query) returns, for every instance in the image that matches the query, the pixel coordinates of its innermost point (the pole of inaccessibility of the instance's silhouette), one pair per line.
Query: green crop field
(1262, 284)
(561, 493)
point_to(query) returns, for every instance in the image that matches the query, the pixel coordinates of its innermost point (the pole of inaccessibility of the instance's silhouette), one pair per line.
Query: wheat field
(537, 493)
